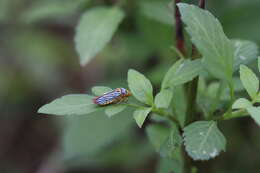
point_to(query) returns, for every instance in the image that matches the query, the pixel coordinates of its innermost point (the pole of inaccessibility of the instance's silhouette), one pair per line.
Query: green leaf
(167, 165)
(100, 90)
(173, 141)
(257, 99)
(163, 98)
(245, 52)
(255, 113)
(207, 34)
(41, 10)
(95, 29)
(140, 87)
(74, 104)
(241, 103)
(140, 115)
(181, 72)
(157, 135)
(114, 109)
(203, 140)
(88, 135)
(249, 80)
(179, 103)
(157, 11)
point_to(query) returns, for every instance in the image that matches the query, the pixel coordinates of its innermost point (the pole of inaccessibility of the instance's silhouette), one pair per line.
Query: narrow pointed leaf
(140, 87)
(181, 72)
(249, 80)
(140, 115)
(75, 104)
(255, 113)
(203, 140)
(95, 29)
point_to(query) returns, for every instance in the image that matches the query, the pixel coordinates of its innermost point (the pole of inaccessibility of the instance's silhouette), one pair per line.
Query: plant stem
(193, 85)
(202, 4)
(163, 113)
(179, 32)
(235, 114)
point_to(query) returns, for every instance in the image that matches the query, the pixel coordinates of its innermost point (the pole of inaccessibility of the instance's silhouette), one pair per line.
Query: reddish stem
(202, 4)
(179, 31)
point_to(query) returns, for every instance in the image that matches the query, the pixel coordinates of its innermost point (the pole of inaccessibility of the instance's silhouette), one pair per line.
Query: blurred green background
(38, 63)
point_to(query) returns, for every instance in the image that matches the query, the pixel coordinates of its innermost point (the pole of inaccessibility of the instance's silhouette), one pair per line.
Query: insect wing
(107, 98)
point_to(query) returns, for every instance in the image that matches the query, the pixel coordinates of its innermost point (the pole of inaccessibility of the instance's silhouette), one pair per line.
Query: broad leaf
(241, 103)
(245, 52)
(255, 113)
(249, 80)
(140, 115)
(181, 72)
(75, 104)
(114, 109)
(203, 140)
(207, 34)
(157, 11)
(163, 98)
(100, 90)
(140, 87)
(95, 29)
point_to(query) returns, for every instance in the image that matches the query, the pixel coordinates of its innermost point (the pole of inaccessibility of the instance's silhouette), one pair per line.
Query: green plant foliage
(140, 115)
(140, 87)
(167, 165)
(100, 90)
(207, 34)
(158, 11)
(249, 80)
(114, 109)
(40, 10)
(245, 52)
(257, 99)
(95, 29)
(179, 103)
(255, 113)
(74, 104)
(203, 140)
(181, 72)
(241, 103)
(171, 144)
(163, 98)
(157, 135)
(78, 139)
